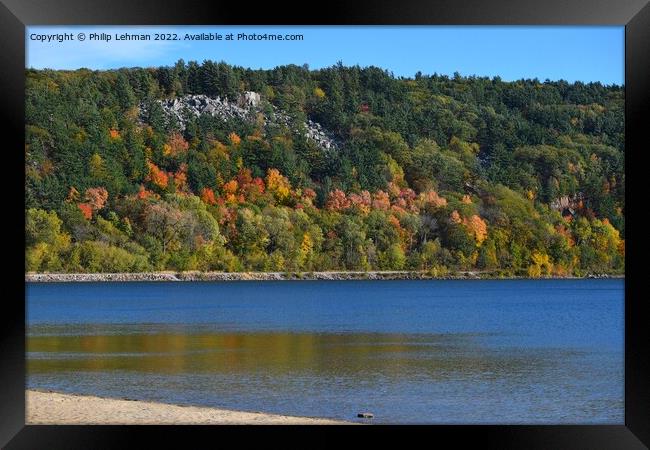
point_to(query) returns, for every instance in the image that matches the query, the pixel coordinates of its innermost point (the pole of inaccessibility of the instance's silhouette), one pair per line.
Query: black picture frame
(16, 14)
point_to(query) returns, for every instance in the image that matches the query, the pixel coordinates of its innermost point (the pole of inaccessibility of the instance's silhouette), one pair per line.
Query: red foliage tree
(381, 201)
(86, 210)
(337, 201)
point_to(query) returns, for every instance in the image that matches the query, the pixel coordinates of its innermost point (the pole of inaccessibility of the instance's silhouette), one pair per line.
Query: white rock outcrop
(246, 108)
(250, 99)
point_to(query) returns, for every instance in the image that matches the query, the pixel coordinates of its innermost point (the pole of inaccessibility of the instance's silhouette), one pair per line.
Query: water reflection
(434, 355)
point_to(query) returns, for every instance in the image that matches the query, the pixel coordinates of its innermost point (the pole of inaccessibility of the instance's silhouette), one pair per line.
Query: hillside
(218, 168)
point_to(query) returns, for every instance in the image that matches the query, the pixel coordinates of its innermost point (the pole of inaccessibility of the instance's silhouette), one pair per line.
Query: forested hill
(214, 167)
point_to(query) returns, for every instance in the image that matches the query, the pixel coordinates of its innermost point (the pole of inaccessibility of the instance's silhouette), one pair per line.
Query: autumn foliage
(73, 195)
(278, 185)
(86, 210)
(431, 198)
(144, 193)
(96, 197)
(156, 176)
(175, 146)
(207, 196)
(94, 200)
(427, 173)
(337, 201)
(477, 227)
(180, 178)
(234, 138)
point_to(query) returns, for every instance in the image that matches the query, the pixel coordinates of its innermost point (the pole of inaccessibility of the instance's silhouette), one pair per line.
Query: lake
(440, 351)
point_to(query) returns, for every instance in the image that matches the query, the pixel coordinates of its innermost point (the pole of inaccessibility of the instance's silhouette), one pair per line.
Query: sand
(52, 408)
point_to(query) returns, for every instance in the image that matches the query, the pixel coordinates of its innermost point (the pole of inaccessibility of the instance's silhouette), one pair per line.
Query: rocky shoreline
(270, 276)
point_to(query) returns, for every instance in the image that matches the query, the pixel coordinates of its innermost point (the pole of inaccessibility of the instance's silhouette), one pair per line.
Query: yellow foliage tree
(278, 185)
(306, 249)
(96, 167)
(477, 227)
(319, 93)
(541, 265)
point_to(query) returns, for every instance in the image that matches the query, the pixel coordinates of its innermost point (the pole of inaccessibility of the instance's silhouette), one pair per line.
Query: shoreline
(55, 408)
(285, 276)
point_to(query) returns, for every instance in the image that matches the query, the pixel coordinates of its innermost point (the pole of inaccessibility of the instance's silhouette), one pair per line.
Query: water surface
(448, 351)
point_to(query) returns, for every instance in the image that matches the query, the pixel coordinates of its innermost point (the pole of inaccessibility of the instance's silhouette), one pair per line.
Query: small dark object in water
(366, 415)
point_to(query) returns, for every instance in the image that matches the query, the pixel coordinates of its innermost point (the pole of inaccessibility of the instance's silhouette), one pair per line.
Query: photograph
(325, 224)
(383, 221)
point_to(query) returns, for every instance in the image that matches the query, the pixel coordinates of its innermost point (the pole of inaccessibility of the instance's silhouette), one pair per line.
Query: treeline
(433, 173)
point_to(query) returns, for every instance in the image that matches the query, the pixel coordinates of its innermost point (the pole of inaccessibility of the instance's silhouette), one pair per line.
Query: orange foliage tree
(96, 198)
(207, 196)
(251, 188)
(234, 138)
(381, 201)
(431, 198)
(144, 194)
(230, 190)
(157, 176)
(180, 178)
(175, 145)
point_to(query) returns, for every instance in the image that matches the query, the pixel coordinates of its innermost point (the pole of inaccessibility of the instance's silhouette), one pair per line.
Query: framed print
(407, 217)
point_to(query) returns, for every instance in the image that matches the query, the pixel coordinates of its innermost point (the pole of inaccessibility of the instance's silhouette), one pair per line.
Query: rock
(246, 109)
(249, 98)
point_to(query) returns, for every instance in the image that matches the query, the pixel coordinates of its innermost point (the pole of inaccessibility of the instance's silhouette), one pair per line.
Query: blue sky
(586, 53)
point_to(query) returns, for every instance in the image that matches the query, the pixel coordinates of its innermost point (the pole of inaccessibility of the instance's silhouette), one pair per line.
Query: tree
(97, 168)
(175, 146)
(166, 223)
(96, 198)
(158, 177)
(86, 210)
(278, 185)
(337, 201)
(124, 91)
(41, 226)
(44, 240)
(541, 265)
(207, 195)
(354, 240)
(477, 227)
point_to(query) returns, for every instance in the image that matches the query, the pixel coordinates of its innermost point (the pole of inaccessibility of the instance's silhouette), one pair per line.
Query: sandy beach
(52, 408)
